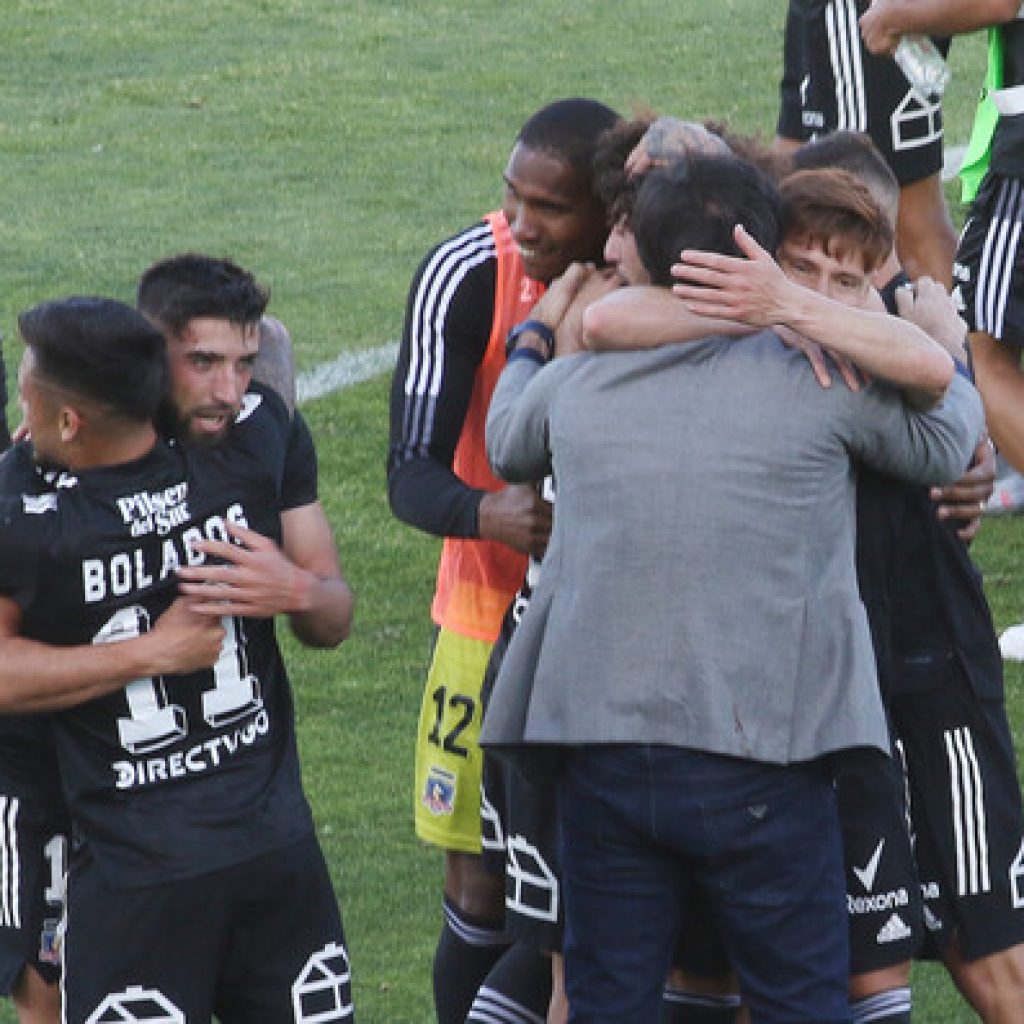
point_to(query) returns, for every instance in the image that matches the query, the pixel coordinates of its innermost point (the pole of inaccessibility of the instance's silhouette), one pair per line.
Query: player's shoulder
(18, 470)
(258, 441)
(28, 516)
(262, 412)
(471, 252)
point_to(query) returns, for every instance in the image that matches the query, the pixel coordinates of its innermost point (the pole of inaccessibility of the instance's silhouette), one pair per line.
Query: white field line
(352, 368)
(348, 369)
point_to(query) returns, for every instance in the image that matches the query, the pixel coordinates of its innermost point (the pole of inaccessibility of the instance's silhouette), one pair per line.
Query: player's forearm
(323, 616)
(40, 677)
(516, 429)
(879, 344)
(646, 317)
(947, 17)
(429, 496)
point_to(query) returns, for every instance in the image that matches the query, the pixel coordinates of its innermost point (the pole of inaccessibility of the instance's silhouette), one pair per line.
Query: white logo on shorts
(1017, 880)
(534, 889)
(492, 835)
(915, 122)
(323, 990)
(136, 1005)
(866, 874)
(893, 930)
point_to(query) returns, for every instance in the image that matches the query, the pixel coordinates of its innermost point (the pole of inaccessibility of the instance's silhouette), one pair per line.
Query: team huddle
(714, 725)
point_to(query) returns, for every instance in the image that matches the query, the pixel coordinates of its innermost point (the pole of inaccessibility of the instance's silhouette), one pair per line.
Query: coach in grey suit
(697, 639)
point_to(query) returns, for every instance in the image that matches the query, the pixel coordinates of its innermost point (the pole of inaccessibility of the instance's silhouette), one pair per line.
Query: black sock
(466, 951)
(516, 991)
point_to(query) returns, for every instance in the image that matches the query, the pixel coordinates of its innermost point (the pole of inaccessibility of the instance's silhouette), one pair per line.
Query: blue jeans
(640, 825)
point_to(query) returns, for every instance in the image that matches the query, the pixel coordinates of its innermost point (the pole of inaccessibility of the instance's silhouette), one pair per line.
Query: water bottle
(924, 67)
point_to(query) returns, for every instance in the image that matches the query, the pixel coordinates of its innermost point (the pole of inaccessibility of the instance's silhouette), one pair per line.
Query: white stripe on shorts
(998, 255)
(10, 865)
(847, 64)
(967, 796)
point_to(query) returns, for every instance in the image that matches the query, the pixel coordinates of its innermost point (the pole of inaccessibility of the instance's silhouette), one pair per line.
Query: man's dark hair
(614, 187)
(569, 130)
(181, 288)
(854, 152)
(101, 350)
(696, 203)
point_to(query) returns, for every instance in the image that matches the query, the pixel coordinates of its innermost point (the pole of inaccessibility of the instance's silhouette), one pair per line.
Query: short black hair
(569, 129)
(99, 349)
(181, 288)
(857, 153)
(696, 203)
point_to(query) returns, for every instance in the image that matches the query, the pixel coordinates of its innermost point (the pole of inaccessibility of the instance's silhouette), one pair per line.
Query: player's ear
(70, 421)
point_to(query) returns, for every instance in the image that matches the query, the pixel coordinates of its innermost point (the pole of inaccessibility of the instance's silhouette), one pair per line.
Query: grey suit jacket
(699, 587)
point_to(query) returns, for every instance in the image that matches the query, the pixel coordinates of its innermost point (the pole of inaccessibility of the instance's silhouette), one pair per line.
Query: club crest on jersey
(439, 791)
(156, 512)
(49, 941)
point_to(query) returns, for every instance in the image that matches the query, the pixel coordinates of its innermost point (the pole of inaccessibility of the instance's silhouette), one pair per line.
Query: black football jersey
(28, 759)
(175, 776)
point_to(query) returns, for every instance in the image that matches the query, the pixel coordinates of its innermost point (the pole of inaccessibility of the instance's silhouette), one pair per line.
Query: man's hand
(816, 355)
(185, 640)
(569, 337)
(966, 498)
(552, 306)
(928, 304)
(561, 306)
(753, 290)
(516, 516)
(669, 139)
(879, 29)
(255, 578)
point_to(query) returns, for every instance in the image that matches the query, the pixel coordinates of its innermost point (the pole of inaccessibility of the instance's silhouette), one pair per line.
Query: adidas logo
(893, 931)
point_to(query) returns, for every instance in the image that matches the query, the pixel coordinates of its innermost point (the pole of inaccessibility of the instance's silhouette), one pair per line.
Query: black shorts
(257, 942)
(794, 68)
(520, 840)
(839, 84)
(965, 811)
(883, 893)
(34, 831)
(988, 273)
